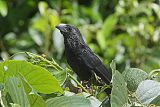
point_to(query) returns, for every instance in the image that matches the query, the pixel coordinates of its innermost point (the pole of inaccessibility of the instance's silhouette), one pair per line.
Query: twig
(78, 83)
(136, 98)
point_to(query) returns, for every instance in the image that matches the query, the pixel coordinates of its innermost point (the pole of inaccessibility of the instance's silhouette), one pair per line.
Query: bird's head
(68, 30)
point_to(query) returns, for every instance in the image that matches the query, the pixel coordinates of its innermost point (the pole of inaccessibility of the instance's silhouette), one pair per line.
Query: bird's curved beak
(61, 27)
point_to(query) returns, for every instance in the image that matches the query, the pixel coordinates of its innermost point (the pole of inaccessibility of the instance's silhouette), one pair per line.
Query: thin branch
(78, 83)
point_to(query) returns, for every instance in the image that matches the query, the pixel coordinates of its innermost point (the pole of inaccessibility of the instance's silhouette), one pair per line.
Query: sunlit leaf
(101, 40)
(42, 7)
(39, 78)
(3, 8)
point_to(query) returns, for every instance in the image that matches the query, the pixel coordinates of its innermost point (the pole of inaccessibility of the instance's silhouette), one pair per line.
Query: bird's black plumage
(80, 57)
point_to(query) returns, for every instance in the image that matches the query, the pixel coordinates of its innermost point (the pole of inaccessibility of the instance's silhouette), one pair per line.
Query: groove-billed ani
(80, 57)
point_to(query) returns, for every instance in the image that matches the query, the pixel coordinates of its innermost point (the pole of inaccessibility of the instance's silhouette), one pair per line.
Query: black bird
(80, 57)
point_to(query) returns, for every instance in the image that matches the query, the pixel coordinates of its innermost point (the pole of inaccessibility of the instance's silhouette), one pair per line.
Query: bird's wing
(89, 59)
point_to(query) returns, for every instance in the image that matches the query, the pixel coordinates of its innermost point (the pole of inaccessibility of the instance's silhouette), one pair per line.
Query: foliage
(35, 83)
(124, 30)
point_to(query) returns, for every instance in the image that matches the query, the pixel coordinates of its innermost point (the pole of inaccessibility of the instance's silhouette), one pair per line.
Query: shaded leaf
(119, 95)
(16, 90)
(36, 100)
(61, 76)
(93, 100)
(68, 101)
(148, 90)
(156, 101)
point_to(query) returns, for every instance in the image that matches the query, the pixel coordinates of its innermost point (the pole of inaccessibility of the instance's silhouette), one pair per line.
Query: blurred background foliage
(125, 30)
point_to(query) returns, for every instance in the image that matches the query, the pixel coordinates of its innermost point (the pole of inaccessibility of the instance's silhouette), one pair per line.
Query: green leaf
(101, 40)
(68, 101)
(53, 18)
(108, 25)
(133, 76)
(39, 78)
(113, 66)
(2, 69)
(61, 76)
(42, 6)
(36, 36)
(1, 86)
(15, 105)
(93, 100)
(147, 91)
(156, 8)
(16, 90)
(119, 95)
(36, 100)
(3, 8)
(40, 24)
(156, 101)
(106, 30)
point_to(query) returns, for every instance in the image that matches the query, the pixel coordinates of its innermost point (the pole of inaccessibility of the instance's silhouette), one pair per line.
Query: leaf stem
(78, 83)
(136, 98)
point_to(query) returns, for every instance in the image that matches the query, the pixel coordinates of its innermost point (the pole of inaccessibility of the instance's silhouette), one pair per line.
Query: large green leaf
(34, 99)
(15, 88)
(133, 76)
(147, 91)
(39, 78)
(119, 95)
(68, 101)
